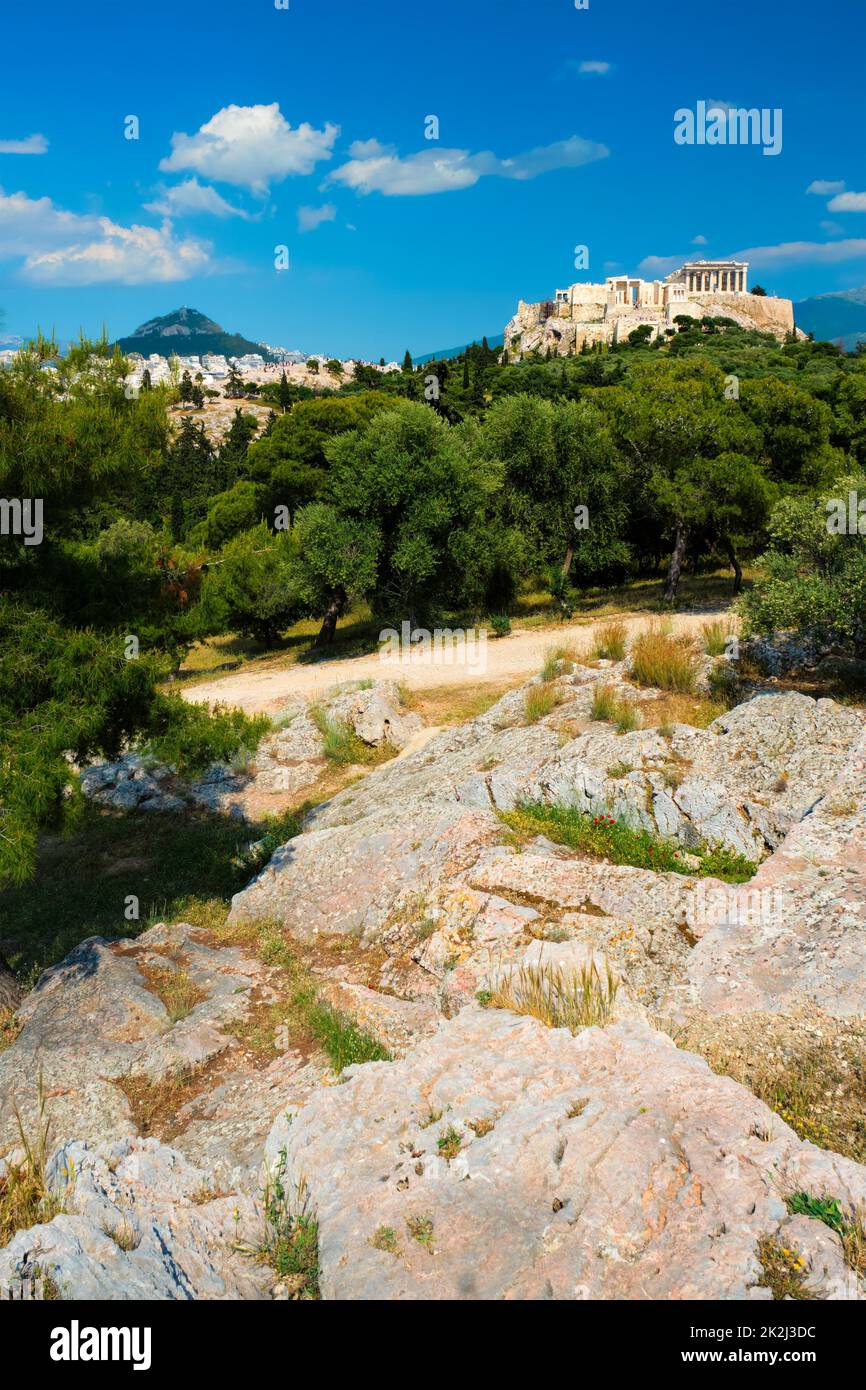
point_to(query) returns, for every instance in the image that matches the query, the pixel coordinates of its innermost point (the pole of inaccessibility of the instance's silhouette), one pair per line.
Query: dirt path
(516, 658)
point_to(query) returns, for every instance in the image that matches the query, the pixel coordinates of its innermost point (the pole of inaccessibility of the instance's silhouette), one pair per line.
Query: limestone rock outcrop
(607, 1165)
(494, 1156)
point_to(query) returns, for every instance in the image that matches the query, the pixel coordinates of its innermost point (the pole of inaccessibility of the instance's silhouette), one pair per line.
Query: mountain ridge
(836, 315)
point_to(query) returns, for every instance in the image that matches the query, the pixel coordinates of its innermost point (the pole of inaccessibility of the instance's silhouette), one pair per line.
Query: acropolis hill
(608, 313)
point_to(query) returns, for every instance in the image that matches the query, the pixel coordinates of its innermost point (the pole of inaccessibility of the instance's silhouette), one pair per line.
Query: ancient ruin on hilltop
(586, 313)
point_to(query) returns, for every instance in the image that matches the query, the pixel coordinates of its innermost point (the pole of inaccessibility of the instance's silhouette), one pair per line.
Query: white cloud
(370, 149)
(847, 202)
(444, 170)
(657, 267)
(34, 144)
(66, 248)
(824, 187)
(191, 198)
(311, 218)
(594, 67)
(803, 253)
(769, 257)
(699, 240)
(250, 146)
(831, 228)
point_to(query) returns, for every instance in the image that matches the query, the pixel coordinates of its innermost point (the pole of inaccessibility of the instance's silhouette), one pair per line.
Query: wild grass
(341, 1038)
(665, 710)
(609, 643)
(420, 1228)
(181, 868)
(604, 837)
(559, 998)
(617, 770)
(724, 684)
(848, 1227)
(783, 1271)
(9, 1028)
(539, 701)
(816, 1086)
(173, 985)
(660, 659)
(614, 708)
(306, 1018)
(716, 634)
(155, 1104)
(340, 743)
(445, 705)
(556, 658)
(25, 1200)
(449, 1143)
(385, 1238)
(290, 1242)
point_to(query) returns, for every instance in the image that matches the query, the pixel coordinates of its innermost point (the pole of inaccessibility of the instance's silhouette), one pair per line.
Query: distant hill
(838, 315)
(188, 333)
(494, 341)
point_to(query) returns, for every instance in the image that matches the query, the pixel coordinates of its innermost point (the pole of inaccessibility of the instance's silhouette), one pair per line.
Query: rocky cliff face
(493, 1156)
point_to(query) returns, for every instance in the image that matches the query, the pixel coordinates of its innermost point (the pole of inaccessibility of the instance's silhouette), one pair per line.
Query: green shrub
(191, 737)
(501, 624)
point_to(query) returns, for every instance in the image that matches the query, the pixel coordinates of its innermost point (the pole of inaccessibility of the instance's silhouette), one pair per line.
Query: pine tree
(285, 394)
(407, 362)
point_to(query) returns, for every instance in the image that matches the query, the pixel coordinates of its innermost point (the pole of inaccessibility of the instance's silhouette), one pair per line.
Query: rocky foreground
(493, 1156)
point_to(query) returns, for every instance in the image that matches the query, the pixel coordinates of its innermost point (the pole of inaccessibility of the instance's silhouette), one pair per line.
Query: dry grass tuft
(539, 701)
(609, 705)
(558, 998)
(25, 1200)
(556, 659)
(178, 992)
(660, 659)
(716, 635)
(609, 643)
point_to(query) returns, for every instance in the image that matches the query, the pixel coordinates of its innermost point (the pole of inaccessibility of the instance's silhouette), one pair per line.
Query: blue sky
(304, 127)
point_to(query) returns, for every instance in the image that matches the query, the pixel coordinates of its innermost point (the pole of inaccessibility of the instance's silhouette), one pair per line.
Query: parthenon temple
(703, 276)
